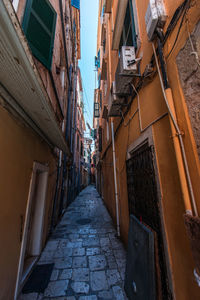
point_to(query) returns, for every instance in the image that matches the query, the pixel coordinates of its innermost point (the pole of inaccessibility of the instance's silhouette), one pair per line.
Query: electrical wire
(178, 13)
(179, 29)
(179, 136)
(126, 124)
(140, 123)
(88, 112)
(195, 53)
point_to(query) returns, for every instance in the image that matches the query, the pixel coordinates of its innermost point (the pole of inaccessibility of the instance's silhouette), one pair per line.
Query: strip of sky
(89, 19)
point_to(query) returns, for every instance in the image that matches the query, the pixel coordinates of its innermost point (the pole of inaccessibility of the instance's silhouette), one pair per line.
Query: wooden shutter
(96, 110)
(39, 27)
(76, 3)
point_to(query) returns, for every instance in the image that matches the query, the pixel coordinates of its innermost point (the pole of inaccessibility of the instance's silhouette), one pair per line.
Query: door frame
(37, 226)
(147, 137)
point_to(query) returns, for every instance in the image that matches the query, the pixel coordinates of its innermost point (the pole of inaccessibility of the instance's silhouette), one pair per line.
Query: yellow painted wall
(20, 147)
(153, 106)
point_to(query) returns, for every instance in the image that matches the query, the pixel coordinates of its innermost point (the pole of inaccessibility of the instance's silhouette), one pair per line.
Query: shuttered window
(96, 110)
(39, 27)
(76, 3)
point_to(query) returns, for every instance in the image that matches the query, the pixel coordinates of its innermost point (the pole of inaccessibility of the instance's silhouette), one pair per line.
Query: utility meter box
(155, 17)
(128, 63)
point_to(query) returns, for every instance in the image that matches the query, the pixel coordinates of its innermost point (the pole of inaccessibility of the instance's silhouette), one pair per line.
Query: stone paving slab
(98, 281)
(56, 288)
(97, 262)
(89, 260)
(81, 274)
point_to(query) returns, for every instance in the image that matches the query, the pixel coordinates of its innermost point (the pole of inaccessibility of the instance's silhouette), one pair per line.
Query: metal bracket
(134, 61)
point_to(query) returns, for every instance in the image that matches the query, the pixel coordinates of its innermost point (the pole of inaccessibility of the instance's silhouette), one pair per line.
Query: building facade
(39, 52)
(87, 158)
(147, 119)
(79, 142)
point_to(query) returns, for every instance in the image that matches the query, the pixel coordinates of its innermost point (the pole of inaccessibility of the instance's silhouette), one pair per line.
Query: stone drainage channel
(83, 259)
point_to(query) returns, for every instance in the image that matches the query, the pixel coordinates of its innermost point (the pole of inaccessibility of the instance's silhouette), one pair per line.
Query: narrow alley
(99, 149)
(83, 259)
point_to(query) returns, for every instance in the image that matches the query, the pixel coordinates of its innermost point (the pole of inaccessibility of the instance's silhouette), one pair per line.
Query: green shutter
(98, 59)
(39, 27)
(134, 37)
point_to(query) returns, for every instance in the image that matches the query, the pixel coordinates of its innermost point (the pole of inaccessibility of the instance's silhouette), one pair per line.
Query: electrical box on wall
(155, 17)
(128, 60)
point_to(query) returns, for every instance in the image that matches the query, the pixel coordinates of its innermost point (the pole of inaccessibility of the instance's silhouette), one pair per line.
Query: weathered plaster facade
(36, 136)
(129, 126)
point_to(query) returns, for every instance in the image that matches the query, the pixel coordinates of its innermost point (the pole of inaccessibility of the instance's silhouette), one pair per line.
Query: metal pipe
(53, 217)
(162, 64)
(56, 92)
(115, 180)
(183, 168)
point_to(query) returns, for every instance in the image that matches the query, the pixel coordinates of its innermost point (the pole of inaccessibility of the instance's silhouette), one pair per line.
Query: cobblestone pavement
(89, 261)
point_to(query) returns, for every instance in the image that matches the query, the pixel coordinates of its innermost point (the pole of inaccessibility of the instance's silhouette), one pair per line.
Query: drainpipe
(73, 136)
(115, 179)
(65, 170)
(53, 218)
(183, 169)
(55, 91)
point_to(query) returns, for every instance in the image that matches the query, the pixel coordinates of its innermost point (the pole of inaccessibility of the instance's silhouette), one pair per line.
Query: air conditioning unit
(121, 87)
(128, 62)
(155, 17)
(114, 106)
(126, 69)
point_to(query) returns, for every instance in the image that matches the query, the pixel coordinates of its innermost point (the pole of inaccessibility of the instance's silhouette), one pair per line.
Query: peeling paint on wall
(189, 72)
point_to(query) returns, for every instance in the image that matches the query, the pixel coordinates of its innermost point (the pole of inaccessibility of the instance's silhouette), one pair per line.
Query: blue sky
(89, 19)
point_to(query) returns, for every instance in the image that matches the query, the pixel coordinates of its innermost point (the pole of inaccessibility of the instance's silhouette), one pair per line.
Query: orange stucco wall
(181, 264)
(20, 147)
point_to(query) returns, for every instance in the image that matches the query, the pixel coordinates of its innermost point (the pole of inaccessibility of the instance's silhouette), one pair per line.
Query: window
(39, 27)
(129, 37)
(100, 99)
(99, 81)
(96, 110)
